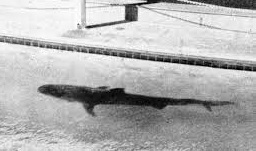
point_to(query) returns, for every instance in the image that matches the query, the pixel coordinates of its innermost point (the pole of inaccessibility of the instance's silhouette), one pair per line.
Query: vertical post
(80, 6)
(131, 12)
(83, 13)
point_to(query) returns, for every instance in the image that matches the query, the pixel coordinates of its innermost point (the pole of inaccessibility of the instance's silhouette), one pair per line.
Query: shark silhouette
(90, 97)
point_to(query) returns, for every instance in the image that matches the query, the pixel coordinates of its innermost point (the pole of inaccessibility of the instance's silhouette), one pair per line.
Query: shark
(104, 95)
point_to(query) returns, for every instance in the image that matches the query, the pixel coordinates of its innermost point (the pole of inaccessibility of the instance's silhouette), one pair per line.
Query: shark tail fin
(208, 105)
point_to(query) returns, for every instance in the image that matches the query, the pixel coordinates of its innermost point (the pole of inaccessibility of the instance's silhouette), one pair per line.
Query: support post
(131, 13)
(83, 13)
(80, 13)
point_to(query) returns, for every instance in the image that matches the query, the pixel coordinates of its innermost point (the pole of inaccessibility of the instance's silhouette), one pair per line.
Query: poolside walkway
(166, 35)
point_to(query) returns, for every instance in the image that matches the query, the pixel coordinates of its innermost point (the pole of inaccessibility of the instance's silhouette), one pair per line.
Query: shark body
(90, 97)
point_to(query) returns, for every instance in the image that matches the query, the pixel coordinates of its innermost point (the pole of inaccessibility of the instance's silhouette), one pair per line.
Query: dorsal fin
(103, 87)
(117, 90)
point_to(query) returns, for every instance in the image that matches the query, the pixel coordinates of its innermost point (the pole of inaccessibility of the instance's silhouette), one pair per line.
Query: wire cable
(195, 23)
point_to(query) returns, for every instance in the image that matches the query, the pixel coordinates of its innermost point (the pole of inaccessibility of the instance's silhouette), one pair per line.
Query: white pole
(83, 13)
(80, 13)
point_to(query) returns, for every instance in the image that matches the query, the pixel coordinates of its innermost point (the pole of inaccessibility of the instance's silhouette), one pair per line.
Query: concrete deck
(165, 35)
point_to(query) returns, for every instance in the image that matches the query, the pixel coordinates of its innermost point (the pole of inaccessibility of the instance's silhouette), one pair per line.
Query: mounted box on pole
(131, 12)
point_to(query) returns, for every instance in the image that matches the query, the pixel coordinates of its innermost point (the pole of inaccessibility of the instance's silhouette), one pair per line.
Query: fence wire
(193, 22)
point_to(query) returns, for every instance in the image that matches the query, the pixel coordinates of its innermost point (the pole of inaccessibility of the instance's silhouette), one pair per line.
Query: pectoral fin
(89, 109)
(208, 107)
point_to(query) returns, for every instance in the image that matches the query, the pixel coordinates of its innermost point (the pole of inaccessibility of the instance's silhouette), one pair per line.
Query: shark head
(53, 90)
(88, 96)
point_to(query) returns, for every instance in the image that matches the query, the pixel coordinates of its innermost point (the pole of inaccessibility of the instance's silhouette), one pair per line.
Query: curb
(220, 63)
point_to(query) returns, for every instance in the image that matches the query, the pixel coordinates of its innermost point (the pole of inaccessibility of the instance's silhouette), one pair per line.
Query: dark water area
(245, 4)
(168, 1)
(33, 121)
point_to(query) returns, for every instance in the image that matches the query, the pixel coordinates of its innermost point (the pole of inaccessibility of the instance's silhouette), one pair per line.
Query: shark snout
(50, 90)
(42, 89)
